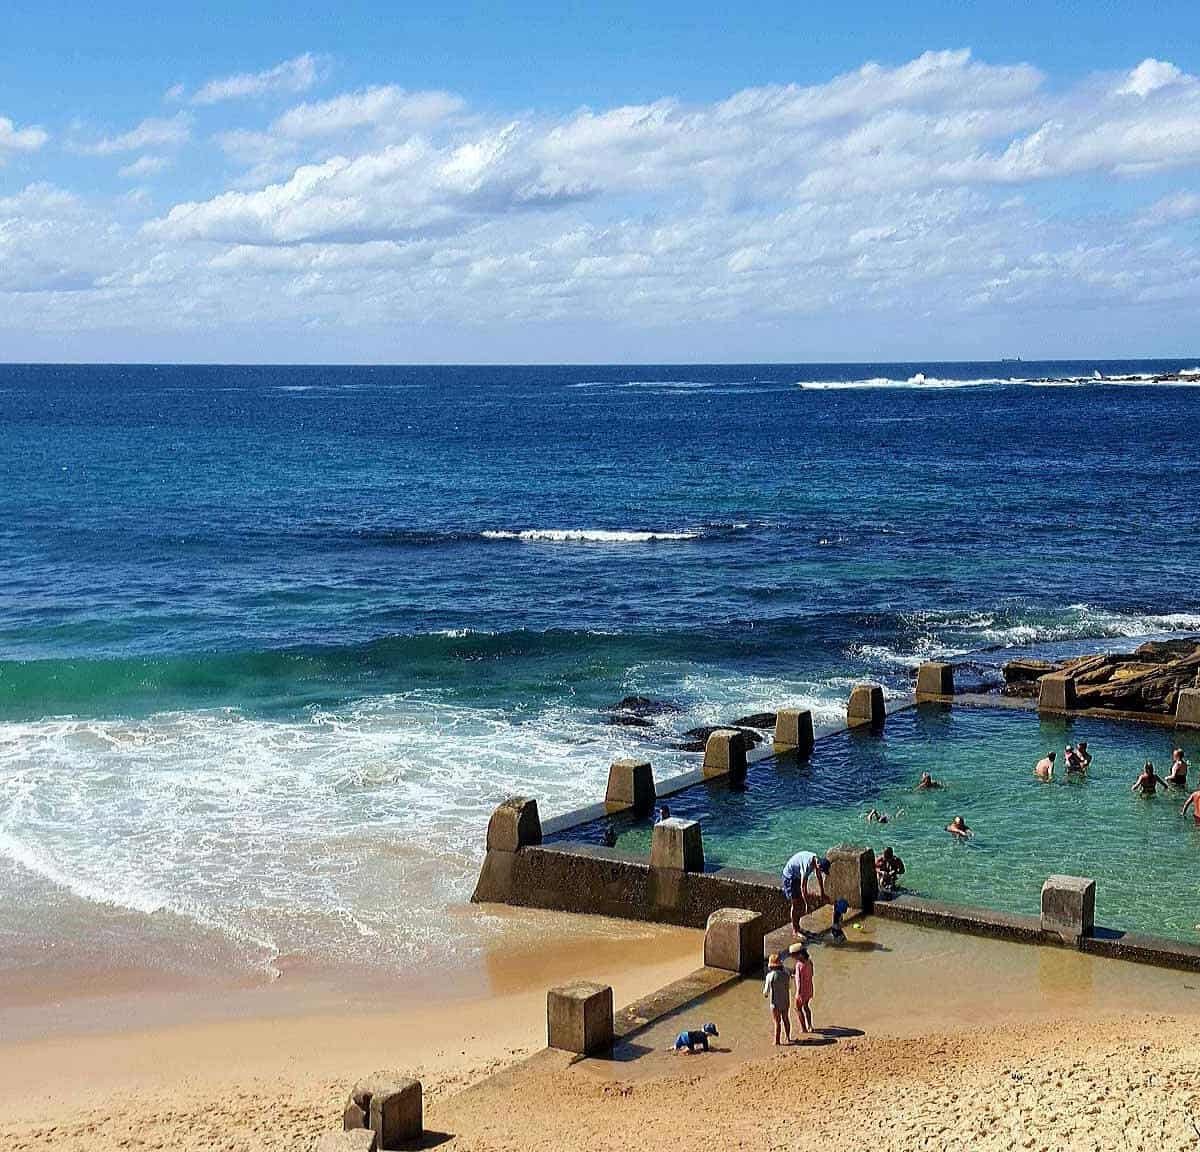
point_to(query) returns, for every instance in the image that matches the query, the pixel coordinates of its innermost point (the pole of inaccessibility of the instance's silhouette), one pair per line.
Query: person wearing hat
(795, 884)
(695, 1038)
(776, 989)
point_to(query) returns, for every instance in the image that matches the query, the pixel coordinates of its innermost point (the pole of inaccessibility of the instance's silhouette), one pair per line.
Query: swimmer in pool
(1044, 768)
(1179, 767)
(926, 782)
(1148, 781)
(958, 829)
(1193, 802)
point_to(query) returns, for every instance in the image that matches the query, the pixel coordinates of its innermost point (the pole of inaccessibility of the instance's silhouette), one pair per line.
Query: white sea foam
(588, 536)
(1188, 377)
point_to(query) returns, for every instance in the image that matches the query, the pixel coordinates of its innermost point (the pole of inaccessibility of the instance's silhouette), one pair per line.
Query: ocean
(275, 640)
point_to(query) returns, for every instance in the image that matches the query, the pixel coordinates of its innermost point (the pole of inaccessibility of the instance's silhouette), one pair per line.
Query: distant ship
(1010, 359)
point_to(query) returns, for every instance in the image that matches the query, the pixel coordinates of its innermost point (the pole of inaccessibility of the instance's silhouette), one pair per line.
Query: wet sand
(931, 1040)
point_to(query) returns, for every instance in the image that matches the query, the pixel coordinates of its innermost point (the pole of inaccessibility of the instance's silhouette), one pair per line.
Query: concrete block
(1056, 693)
(515, 824)
(935, 679)
(579, 1017)
(1187, 707)
(676, 844)
(630, 785)
(393, 1107)
(866, 706)
(1069, 907)
(352, 1140)
(852, 876)
(794, 730)
(725, 753)
(733, 940)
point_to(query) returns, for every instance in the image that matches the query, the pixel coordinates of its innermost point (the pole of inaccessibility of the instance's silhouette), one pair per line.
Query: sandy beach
(932, 1040)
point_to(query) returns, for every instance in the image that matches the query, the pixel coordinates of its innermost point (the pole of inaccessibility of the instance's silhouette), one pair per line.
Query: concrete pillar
(390, 1105)
(866, 706)
(852, 876)
(794, 731)
(725, 753)
(515, 824)
(353, 1140)
(1069, 907)
(630, 785)
(733, 940)
(1187, 707)
(676, 844)
(579, 1017)
(935, 679)
(1056, 693)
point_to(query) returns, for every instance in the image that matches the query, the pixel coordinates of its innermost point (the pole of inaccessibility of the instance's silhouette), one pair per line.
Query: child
(695, 1038)
(775, 988)
(804, 989)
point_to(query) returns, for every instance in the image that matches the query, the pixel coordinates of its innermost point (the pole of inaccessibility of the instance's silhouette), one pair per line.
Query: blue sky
(549, 182)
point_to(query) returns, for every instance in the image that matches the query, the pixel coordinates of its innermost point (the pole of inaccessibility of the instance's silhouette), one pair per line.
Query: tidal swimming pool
(1144, 856)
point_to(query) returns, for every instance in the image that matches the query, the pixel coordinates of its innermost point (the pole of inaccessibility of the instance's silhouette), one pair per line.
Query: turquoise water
(1142, 853)
(274, 641)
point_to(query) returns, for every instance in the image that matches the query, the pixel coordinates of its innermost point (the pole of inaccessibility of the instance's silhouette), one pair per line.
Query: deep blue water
(295, 603)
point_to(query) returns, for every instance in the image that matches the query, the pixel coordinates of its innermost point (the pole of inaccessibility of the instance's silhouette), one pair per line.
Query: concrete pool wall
(519, 869)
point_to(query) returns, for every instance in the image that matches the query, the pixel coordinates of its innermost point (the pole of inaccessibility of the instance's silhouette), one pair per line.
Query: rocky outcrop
(1147, 679)
(695, 739)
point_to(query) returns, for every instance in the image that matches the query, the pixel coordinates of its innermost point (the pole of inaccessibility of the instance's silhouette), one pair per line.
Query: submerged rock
(694, 739)
(642, 706)
(756, 720)
(625, 720)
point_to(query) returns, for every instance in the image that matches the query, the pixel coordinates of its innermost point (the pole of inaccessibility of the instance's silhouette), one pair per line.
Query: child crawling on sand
(775, 989)
(804, 989)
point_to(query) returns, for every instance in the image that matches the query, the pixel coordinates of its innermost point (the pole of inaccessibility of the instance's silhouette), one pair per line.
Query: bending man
(795, 884)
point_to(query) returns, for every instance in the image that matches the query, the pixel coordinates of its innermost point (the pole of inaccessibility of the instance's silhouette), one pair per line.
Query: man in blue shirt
(795, 884)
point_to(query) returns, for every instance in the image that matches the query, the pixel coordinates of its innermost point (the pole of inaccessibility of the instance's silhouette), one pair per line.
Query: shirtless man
(1044, 768)
(1085, 757)
(1193, 802)
(926, 782)
(1179, 767)
(1148, 781)
(888, 869)
(958, 827)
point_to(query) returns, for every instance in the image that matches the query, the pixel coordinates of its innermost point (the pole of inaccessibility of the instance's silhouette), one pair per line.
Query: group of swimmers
(1076, 757)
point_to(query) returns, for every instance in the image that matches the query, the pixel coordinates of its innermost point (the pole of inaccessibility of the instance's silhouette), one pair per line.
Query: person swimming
(927, 781)
(876, 817)
(1044, 768)
(1081, 750)
(1072, 760)
(958, 829)
(1148, 781)
(1179, 769)
(1193, 802)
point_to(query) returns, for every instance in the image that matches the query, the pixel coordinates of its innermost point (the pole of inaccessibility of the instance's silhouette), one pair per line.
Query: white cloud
(779, 204)
(14, 139)
(386, 106)
(150, 133)
(1149, 76)
(292, 76)
(1177, 206)
(144, 166)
